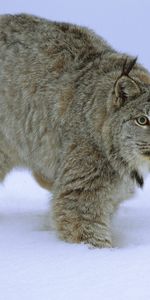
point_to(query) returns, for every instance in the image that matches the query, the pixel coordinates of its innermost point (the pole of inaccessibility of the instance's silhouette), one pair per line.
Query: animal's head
(126, 130)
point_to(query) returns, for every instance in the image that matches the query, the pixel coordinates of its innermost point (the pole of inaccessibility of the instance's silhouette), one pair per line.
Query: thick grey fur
(69, 105)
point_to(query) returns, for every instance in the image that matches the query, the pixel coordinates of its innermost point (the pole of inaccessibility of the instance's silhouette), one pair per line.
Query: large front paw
(96, 235)
(93, 234)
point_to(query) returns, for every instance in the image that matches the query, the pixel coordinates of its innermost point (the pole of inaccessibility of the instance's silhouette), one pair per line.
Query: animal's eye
(142, 120)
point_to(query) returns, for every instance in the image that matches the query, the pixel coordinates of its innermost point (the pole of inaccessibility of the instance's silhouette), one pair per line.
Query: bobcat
(77, 114)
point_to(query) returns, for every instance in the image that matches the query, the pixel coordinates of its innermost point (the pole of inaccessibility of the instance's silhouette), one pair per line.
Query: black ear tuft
(127, 67)
(125, 87)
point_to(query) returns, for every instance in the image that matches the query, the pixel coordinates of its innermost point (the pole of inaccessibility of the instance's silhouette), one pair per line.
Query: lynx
(77, 114)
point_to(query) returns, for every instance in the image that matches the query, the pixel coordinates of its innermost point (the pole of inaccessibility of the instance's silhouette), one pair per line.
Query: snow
(34, 263)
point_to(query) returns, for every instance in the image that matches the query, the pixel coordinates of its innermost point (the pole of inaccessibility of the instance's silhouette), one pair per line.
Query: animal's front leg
(81, 216)
(81, 210)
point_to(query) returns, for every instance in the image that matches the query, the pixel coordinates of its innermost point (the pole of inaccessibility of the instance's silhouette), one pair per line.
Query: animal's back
(38, 61)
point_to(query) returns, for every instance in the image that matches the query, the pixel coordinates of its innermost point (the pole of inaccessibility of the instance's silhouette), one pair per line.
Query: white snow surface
(34, 263)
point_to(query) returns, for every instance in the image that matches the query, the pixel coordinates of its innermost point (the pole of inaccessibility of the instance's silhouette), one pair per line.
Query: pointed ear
(125, 88)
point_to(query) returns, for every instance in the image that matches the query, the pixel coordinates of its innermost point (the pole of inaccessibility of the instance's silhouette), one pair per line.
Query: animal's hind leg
(6, 158)
(43, 181)
(5, 164)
